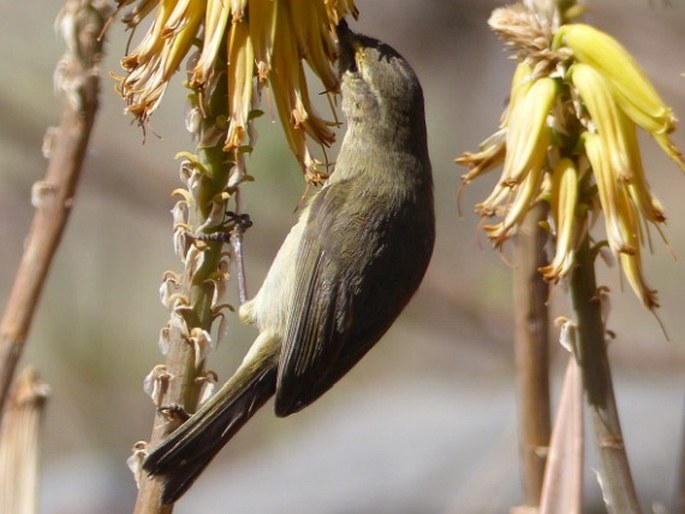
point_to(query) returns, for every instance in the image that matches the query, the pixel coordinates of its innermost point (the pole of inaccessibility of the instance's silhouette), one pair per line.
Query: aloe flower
(264, 43)
(570, 129)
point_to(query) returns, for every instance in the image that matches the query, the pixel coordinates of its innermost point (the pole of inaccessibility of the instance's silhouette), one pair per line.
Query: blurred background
(426, 423)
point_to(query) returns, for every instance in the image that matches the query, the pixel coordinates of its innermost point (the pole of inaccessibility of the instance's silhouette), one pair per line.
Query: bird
(344, 272)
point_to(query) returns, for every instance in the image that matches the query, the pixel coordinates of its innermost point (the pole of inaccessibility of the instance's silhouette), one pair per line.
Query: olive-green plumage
(344, 272)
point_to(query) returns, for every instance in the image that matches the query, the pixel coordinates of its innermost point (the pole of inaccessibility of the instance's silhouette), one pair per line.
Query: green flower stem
(591, 354)
(531, 348)
(183, 368)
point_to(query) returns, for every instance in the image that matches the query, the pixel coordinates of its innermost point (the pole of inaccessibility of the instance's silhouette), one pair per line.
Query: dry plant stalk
(531, 350)
(77, 78)
(20, 445)
(562, 490)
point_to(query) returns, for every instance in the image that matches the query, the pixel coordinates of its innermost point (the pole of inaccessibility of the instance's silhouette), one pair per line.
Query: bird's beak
(347, 47)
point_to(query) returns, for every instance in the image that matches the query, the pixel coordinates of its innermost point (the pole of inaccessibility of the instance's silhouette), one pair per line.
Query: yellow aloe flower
(621, 218)
(241, 63)
(266, 48)
(527, 140)
(571, 124)
(611, 197)
(525, 193)
(633, 91)
(520, 84)
(491, 154)
(626, 223)
(618, 138)
(599, 101)
(563, 204)
(526, 130)
(635, 178)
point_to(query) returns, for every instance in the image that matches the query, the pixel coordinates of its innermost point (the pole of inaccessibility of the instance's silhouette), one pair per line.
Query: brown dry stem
(531, 348)
(20, 445)
(78, 79)
(562, 489)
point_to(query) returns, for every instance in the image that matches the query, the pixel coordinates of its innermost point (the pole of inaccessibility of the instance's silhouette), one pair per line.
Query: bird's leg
(239, 224)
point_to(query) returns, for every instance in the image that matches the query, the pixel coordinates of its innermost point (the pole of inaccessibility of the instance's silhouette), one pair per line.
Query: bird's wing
(319, 317)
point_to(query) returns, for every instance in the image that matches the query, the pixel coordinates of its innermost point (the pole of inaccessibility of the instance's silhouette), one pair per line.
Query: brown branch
(531, 348)
(53, 197)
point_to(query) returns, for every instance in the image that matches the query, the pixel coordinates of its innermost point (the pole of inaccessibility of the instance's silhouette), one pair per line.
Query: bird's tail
(181, 457)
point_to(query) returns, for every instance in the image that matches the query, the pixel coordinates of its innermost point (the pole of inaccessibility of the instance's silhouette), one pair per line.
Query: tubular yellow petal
(181, 40)
(262, 34)
(314, 41)
(564, 199)
(636, 94)
(631, 263)
(290, 89)
(621, 222)
(526, 192)
(635, 180)
(597, 96)
(618, 136)
(527, 132)
(152, 41)
(632, 269)
(491, 154)
(318, 129)
(178, 18)
(216, 19)
(490, 205)
(663, 123)
(284, 79)
(520, 84)
(609, 195)
(240, 74)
